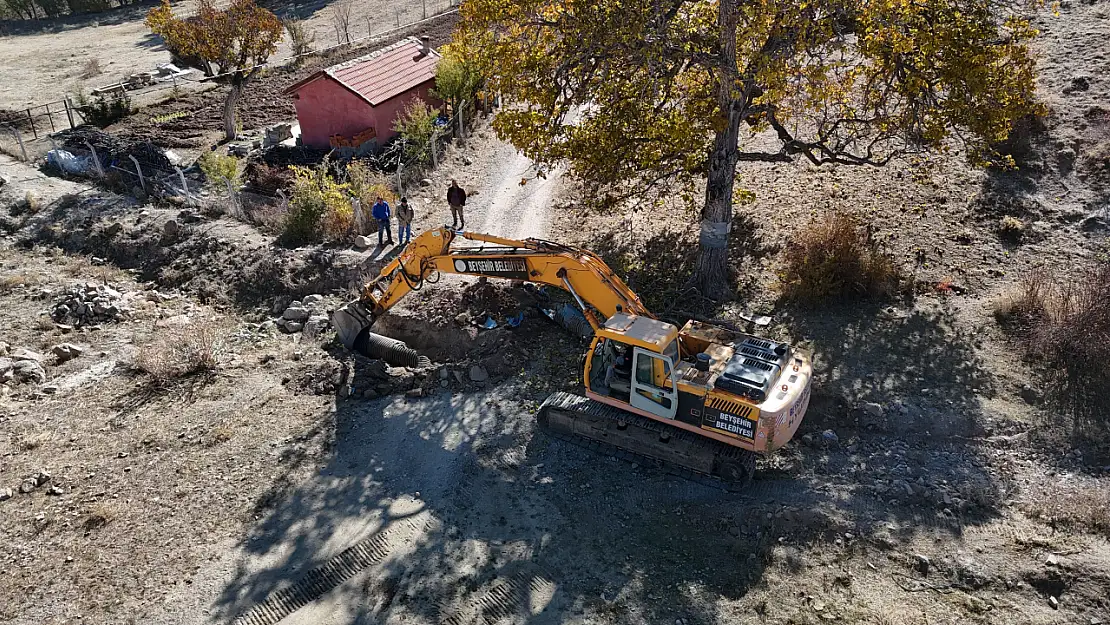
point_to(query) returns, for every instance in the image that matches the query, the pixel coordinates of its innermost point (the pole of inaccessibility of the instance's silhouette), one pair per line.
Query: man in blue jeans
(380, 211)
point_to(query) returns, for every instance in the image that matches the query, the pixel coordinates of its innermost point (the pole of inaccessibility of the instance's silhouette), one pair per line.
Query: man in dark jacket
(381, 213)
(456, 198)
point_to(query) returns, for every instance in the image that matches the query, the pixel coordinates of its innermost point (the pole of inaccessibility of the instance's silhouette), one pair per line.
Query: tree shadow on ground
(658, 267)
(153, 42)
(512, 521)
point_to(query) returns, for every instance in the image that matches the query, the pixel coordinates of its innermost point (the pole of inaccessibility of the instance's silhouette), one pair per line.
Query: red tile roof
(384, 74)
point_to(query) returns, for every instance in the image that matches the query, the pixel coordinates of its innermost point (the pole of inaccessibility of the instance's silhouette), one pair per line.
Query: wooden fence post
(233, 202)
(96, 160)
(69, 112)
(462, 121)
(31, 119)
(19, 139)
(139, 170)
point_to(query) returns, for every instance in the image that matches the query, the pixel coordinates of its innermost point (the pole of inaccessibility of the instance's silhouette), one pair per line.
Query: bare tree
(341, 19)
(299, 37)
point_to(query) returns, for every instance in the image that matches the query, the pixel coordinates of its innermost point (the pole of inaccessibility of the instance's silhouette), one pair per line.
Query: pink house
(354, 104)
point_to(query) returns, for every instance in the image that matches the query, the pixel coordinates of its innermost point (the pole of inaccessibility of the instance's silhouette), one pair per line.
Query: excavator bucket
(353, 324)
(350, 321)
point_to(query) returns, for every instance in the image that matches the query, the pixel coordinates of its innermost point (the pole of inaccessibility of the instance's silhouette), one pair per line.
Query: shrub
(180, 351)
(1073, 340)
(457, 78)
(1011, 228)
(100, 515)
(833, 258)
(102, 110)
(220, 169)
(91, 68)
(368, 185)
(318, 207)
(416, 125)
(299, 37)
(269, 180)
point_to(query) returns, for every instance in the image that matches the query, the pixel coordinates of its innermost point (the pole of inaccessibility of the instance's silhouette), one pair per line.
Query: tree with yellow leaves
(236, 40)
(674, 90)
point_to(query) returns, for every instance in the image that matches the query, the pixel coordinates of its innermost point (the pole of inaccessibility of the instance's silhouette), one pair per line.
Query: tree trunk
(711, 273)
(230, 105)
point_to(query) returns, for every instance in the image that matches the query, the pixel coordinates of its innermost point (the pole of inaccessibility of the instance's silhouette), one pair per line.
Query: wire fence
(44, 119)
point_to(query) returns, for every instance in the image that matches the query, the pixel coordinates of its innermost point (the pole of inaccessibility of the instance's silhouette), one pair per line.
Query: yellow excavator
(704, 398)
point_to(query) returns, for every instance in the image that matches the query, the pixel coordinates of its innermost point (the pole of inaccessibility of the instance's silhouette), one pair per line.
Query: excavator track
(595, 425)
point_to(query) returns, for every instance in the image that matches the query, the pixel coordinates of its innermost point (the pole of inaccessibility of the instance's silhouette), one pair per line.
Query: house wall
(326, 108)
(388, 111)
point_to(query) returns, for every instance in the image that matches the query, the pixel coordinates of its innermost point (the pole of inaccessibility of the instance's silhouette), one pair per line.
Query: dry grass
(29, 205)
(32, 203)
(180, 351)
(30, 441)
(1084, 508)
(45, 324)
(1027, 305)
(85, 268)
(834, 258)
(1064, 323)
(15, 281)
(221, 434)
(91, 68)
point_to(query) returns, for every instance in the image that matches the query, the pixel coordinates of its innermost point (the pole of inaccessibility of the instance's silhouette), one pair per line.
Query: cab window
(652, 371)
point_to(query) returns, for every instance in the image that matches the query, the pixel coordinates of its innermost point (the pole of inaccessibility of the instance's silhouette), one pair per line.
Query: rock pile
(375, 378)
(89, 304)
(305, 315)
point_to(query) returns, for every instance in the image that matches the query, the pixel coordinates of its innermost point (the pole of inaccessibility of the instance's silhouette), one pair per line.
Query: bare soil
(958, 497)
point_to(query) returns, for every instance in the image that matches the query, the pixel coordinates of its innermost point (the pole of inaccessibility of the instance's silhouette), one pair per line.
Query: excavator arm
(594, 286)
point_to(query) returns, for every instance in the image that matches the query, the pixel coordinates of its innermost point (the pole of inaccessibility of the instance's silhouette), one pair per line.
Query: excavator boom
(595, 287)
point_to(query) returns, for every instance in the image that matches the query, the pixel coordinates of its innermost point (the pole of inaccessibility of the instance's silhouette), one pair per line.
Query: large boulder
(297, 313)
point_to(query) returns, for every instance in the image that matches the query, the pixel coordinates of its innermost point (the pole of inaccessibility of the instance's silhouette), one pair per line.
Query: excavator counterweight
(704, 398)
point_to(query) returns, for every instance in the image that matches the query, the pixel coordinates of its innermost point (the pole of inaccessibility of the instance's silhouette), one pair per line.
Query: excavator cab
(633, 360)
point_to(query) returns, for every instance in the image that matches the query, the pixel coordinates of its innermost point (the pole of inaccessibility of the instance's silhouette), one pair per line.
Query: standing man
(404, 221)
(381, 213)
(456, 198)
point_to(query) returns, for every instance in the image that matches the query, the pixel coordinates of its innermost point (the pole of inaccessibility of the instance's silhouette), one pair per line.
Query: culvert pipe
(395, 352)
